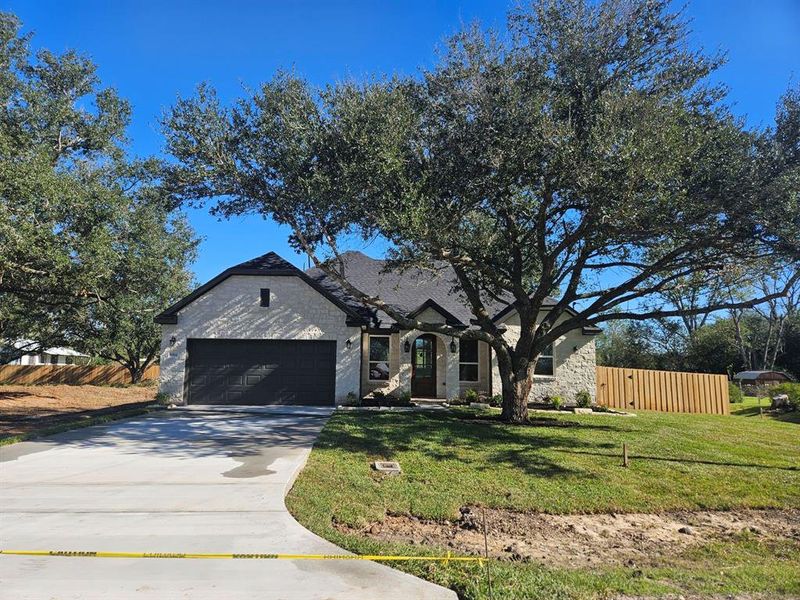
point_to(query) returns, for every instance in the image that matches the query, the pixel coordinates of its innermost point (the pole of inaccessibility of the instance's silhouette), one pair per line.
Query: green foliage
(627, 344)
(352, 399)
(90, 249)
(583, 399)
(381, 398)
(470, 396)
(557, 402)
(713, 349)
(792, 390)
(735, 393)
(586, 144)
(155, 249)
(496, 400)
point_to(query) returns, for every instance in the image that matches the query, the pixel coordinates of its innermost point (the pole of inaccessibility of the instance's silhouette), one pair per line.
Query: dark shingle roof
(411, 291)
(265, 263)
(408, 290)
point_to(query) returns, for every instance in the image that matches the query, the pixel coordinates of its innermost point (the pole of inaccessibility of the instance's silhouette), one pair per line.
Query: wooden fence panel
(664, 391)
(70, 374)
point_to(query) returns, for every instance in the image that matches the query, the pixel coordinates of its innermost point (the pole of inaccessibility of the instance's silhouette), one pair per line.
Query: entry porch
(428, 365)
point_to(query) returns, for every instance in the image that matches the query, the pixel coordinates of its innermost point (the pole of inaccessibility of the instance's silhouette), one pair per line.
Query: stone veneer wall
(574, 366)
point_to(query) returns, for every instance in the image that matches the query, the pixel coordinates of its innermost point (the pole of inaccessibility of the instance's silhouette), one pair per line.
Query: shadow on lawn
(693, 461)
(480, 443)
(754, 411)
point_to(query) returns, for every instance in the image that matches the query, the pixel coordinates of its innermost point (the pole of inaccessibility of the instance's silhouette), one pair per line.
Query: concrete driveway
(177, 481)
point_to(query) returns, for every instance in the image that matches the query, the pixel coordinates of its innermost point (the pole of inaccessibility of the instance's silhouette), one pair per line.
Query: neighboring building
(49, 356)
(265, 332)
(754, 379)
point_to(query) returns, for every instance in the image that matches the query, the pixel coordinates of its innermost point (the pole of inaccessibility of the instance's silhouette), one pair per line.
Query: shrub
(583, 399)
(735, 393)
(496, 400)
(556, 402)
(470, 396)
(352, 399)
(792, 390)
(381, 398)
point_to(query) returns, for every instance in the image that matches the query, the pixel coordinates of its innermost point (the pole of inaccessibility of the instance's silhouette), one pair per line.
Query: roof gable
(266, 264)
(450, 319)
(412, 291)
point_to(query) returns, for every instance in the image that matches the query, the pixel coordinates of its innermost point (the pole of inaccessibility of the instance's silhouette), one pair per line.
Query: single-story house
(47, 356)
(266, 332)
(761, 378)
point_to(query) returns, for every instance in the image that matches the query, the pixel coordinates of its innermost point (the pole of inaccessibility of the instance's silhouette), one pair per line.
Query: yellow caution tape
(373, 557)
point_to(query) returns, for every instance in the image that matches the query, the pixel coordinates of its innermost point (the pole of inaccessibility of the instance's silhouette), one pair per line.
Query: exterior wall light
(172, 340)
(407, 346)
(348, 343)
(453, 346)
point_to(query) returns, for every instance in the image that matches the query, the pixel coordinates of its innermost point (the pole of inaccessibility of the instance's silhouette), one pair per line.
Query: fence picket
(664, 391)
(70, 374)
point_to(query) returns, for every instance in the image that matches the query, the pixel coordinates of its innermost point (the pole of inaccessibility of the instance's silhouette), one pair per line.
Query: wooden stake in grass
(486, 554)
(624, 454)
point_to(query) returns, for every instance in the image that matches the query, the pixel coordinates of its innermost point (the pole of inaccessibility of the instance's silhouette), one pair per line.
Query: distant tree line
(766, 337)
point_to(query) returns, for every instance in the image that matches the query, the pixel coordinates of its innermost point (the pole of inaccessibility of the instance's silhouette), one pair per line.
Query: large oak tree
(90, 248)
(582, 154)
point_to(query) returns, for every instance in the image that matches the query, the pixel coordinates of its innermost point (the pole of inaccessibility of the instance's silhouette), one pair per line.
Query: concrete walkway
(177, 481)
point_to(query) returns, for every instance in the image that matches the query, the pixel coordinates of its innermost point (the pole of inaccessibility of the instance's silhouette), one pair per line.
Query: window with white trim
(545, 364)
(468, 360)
(379, 358)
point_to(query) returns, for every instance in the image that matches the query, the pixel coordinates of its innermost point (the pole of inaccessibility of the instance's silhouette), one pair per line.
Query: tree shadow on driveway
(186, 435)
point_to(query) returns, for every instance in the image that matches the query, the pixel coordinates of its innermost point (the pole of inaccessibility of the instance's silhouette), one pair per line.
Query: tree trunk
(136, 373)
(516, 385)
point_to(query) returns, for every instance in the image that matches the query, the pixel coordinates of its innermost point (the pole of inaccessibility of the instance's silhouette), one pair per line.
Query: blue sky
(153, 51)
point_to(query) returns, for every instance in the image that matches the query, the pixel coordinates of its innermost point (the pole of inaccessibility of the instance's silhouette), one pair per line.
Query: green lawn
(563, 464)
(751, 407)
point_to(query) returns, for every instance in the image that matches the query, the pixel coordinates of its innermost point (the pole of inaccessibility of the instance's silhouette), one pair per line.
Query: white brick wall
(574, 366)
(232, 310)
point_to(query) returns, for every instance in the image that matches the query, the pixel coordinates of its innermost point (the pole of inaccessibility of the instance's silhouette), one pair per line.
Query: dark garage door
(259, 372)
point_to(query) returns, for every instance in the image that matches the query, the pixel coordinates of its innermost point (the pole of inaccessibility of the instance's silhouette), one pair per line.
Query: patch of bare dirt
(26, 408)
(583, 540)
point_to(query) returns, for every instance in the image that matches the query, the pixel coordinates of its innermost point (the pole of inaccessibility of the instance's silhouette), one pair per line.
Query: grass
(751, 407)
(562, 464)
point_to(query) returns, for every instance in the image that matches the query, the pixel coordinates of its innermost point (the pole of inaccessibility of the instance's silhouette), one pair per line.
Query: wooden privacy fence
(69, 374)
(664, 391)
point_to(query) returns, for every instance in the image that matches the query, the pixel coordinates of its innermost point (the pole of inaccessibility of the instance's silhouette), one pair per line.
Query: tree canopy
(582, 154)
(88, 241)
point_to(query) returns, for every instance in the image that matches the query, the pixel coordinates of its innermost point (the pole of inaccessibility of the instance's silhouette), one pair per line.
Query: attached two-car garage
(260, 372)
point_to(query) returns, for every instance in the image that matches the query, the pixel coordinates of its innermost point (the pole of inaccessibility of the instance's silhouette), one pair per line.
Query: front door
(423, 367)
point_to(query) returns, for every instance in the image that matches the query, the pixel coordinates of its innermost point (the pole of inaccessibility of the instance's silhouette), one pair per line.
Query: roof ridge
(258, 262)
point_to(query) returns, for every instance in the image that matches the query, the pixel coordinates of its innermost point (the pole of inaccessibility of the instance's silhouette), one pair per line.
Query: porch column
(451, 375)
(404, 373)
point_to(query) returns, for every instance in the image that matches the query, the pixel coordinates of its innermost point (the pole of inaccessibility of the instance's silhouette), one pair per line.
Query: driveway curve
(203, 481)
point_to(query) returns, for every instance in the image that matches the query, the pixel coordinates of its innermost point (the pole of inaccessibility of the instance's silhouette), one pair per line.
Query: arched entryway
(423, 367)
